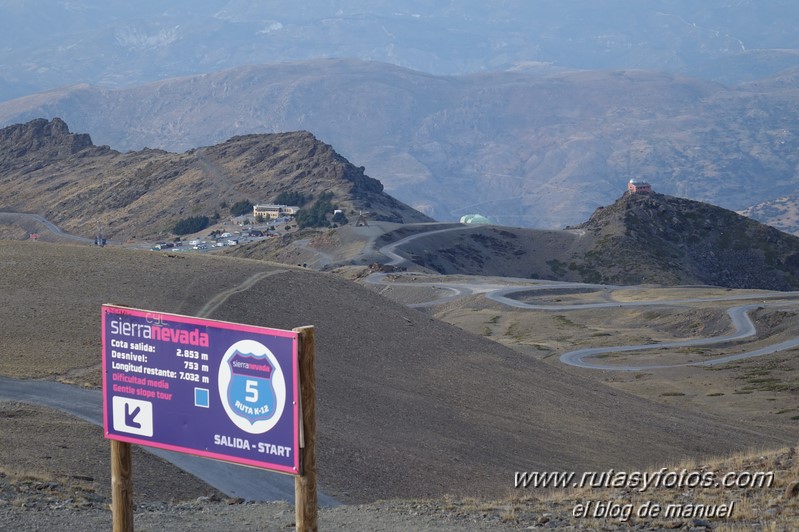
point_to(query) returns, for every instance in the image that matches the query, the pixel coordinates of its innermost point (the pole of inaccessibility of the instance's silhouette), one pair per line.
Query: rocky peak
(40, 139)
(46, 169)
(667, 240)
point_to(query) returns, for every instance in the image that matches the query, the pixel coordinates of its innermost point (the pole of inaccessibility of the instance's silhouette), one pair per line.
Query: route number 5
(251, 389)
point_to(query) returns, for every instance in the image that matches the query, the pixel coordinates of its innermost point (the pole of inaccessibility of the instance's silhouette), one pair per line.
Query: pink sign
(211, 388)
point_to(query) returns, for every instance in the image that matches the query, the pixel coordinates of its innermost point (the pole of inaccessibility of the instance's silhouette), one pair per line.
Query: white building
(271, 211)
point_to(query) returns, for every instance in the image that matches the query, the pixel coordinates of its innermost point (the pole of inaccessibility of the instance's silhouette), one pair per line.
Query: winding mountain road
(584, 358)
(741, 322)
(587, 357)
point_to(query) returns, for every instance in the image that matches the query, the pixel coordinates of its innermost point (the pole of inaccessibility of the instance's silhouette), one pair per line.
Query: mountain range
(640, 238)
(50, 43)
(531, 148)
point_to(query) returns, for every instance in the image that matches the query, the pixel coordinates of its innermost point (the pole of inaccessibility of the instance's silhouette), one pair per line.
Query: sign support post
(121, 487)
(305, 496)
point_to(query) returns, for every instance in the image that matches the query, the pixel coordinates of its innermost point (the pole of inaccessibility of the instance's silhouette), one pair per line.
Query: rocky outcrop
(655, 238)
(40, 139)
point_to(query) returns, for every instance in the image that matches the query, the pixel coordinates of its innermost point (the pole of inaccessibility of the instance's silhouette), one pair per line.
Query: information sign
(210, 388)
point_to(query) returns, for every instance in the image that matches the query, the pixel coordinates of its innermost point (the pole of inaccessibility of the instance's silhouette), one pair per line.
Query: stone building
(636, 186)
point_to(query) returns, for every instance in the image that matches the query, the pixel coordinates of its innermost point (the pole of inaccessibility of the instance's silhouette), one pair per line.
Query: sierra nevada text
(165, 334)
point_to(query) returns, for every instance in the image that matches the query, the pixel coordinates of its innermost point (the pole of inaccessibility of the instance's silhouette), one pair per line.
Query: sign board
(210, 388)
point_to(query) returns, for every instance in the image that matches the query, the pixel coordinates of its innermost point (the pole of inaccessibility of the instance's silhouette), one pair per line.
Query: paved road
(236, 481)
(587, 358)
(259, 485)
(739, 315)
(389, 250)
(50, 226)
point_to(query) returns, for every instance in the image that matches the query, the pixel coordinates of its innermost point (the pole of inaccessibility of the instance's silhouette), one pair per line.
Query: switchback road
(742, 325)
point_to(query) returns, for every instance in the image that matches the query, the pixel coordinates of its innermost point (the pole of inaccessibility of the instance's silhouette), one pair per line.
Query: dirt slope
(408, 406)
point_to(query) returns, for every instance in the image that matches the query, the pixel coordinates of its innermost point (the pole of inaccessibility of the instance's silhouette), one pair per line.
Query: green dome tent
(474, 219)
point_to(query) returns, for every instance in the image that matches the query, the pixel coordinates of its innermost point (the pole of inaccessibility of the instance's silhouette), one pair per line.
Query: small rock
(792, 490)
(703, 524)
(772, 512)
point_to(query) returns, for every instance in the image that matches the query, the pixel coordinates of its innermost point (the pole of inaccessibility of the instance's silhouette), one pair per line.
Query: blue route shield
(250, 391)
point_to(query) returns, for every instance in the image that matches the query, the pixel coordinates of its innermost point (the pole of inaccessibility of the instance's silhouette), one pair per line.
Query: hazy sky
(51, 43)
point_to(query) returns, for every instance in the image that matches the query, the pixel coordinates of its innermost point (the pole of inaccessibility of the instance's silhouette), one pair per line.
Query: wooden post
(121, 487)
(305, 499)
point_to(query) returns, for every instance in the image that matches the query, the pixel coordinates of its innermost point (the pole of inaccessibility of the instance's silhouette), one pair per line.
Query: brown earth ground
(58, 480)
(62, 287)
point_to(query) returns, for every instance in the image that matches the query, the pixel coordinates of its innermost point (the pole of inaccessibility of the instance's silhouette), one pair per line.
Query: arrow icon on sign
(130, 417)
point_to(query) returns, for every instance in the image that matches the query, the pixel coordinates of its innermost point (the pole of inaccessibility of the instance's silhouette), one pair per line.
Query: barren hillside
(639, 239)
(47, 170)
(408, 406)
